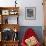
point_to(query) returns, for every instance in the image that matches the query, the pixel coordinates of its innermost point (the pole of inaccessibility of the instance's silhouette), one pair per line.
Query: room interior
(17, 16)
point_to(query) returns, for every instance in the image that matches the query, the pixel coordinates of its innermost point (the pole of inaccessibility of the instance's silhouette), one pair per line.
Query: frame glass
(0, 19)
(30, 13)
(5, 12)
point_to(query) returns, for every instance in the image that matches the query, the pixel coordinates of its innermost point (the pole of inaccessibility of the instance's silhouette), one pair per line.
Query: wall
(25, 3)
(36, 29)
(39, 13)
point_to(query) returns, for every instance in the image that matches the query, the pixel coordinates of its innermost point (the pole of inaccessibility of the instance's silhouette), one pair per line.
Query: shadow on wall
(37, 29)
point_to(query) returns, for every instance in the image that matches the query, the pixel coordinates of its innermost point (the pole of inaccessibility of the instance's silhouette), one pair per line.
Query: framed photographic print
(0, 36)
(30, 13)
(0, 19)
(12, 20)
(5, 12)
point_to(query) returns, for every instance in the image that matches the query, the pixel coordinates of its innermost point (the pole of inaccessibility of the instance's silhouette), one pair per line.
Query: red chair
(29, 33)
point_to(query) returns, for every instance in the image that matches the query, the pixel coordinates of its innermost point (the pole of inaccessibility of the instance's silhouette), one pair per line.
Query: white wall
(27, 3)
(39, 12)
